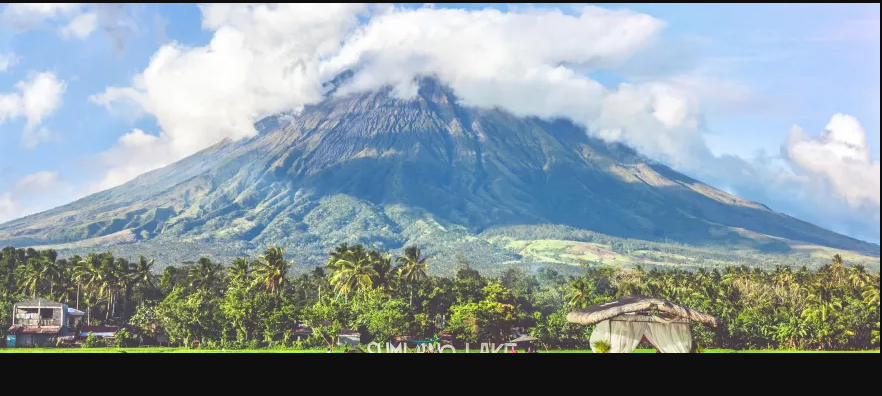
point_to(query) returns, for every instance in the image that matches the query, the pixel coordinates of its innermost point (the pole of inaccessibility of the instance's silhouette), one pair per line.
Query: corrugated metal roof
(99, 329)
(38, 302)
(75, 312)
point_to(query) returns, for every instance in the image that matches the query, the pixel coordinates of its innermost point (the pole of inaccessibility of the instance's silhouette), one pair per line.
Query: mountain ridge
(360, 167)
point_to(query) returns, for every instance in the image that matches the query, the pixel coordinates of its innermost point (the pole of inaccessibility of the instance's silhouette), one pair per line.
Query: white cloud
(81, 26)
(135, 153)
(32, 193)
(37, 182)
(24, 16)
(7, 61)
(39, 96)
(840, 157)
(263, 59)
(266, 59)
(8, 207)
(532, 63)
(73, 20)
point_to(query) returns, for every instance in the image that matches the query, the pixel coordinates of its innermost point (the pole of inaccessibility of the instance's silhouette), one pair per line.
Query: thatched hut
(627, 321)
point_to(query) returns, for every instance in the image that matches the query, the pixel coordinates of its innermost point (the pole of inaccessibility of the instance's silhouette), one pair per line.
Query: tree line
(255, 303)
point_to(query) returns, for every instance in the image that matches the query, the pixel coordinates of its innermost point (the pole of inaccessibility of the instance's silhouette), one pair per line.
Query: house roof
(632, 304)
(75, 312)
(98, 329)
(39, 302)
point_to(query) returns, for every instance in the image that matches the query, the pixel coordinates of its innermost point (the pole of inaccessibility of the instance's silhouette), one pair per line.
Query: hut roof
(631, 304)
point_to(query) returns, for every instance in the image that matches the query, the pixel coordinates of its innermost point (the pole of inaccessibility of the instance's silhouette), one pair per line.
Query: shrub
(122, 338)
(601, 346)
(92, 341)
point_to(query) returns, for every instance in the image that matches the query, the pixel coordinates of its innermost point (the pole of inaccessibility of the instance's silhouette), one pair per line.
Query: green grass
(156, 350)
(340, 350)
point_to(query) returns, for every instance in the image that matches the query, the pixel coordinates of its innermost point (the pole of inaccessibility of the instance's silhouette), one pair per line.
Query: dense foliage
(255, 303)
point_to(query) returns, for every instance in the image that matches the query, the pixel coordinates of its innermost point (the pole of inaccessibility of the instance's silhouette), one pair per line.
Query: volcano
(483, 184)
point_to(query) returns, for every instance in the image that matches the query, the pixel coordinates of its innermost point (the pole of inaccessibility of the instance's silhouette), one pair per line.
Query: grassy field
(183, 350)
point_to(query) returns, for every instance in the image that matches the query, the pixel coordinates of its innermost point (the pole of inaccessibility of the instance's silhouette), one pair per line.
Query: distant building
(302, 333)
(41, 322)
(348, 337)
(99, 331)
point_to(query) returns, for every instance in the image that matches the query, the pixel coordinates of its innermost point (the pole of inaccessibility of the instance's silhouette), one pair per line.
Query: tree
(412, 268)
(580, 293)
(239, 272)
(191, 316)
(327, 318)
(270, 269)
(31, 276)
(382, 317)
(490, 319)
(142, 275)
(204, 275)
(353, 270)
(382, 263)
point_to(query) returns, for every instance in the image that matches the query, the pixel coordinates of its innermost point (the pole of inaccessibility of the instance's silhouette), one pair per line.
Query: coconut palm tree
(31, 276)
(240, 272)
(871, 295)
(336, 255)
(354, 270)
(837, 268)
(204, 275)
(580, 293)
(412, 268)
(382, 263)
(858, 276)
(270, 269)
(142, 274)
(87, 275)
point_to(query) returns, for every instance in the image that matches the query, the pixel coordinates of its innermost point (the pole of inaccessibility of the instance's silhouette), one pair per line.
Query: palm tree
(102, 278)
(382, 263)
(142, 274)
(871, 295)
(412, 268)
(354, 270)
(837, 268)
(204, 275)
(580, 293)
(31, 276)
(782, 277)
(858, 276)
(240, 271)
(87, 275)
(336, 255)
(271, 269)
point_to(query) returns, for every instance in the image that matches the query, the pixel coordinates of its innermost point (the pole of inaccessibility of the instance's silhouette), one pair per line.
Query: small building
(103, 332)
(302, 333)
(348, 337)
(625, 322)
(40, 322)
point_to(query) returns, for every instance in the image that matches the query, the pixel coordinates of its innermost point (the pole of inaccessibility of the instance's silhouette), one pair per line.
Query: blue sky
(784, 65)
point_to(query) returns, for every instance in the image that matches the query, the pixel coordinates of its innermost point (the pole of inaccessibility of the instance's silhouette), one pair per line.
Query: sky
(778, 103)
